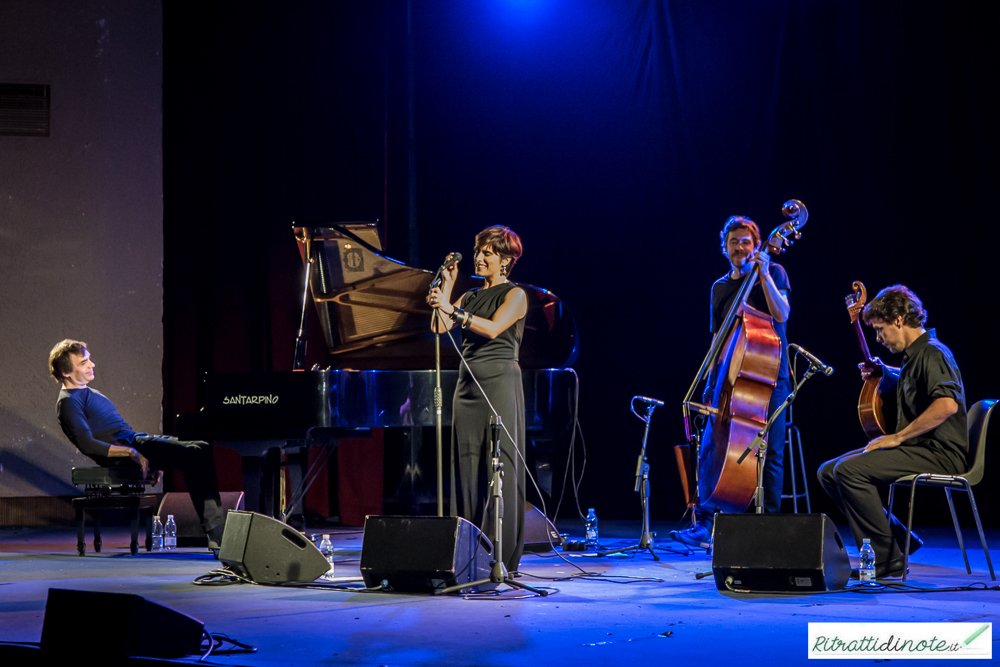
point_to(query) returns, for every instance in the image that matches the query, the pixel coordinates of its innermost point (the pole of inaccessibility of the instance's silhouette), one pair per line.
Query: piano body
(376, 327)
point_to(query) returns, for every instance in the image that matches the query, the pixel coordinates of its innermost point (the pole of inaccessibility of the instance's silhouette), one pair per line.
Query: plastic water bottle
(157, 534)
(867, 570)
(170, 534)
(591, 526)
(326, 548)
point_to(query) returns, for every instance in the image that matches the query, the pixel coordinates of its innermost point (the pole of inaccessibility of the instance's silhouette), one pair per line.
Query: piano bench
(113, 489)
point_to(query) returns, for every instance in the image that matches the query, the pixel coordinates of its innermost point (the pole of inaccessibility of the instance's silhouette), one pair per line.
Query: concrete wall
(81, 225)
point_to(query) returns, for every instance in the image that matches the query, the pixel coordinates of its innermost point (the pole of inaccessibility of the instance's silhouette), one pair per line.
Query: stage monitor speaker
(778, 553)
(110, 627)
(424, 553)
(537, 531)
(267, 551)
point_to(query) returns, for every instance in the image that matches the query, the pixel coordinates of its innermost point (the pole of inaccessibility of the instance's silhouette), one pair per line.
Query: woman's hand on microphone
(436, 299)
(449, 275)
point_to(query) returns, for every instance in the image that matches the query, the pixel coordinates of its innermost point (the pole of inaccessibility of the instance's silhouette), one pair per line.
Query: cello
(877, 403)
(741, 369)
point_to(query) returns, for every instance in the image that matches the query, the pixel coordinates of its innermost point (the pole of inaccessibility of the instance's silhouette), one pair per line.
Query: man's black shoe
(698, 536)
(215, 541)
(893, 568)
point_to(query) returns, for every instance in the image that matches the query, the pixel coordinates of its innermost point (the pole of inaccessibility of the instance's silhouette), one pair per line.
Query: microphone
(813, 361)
(647, 399)
(451, 260)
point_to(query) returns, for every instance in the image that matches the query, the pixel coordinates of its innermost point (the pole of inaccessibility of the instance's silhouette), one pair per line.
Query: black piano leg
(252, 483)
(543, 450)
(412, 485)
(270, 487)
(81, 532)
(149, 531)
(133, 545)
(96, 514)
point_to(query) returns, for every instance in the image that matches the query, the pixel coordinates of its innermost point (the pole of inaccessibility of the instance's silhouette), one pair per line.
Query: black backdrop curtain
(615, 137)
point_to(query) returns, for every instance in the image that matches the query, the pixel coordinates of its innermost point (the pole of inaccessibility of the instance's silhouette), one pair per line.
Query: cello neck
(855, 306)
(862, 343)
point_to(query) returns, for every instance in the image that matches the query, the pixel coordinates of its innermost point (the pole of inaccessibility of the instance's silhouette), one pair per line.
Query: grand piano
(376, 327)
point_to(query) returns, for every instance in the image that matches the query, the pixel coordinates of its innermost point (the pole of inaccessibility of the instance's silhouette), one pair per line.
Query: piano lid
(374, 316)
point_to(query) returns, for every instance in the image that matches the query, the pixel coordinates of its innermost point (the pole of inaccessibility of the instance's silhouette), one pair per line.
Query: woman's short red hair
(501, 240)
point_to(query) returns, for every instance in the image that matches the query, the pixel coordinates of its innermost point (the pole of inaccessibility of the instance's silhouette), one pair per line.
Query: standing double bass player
(741, 245)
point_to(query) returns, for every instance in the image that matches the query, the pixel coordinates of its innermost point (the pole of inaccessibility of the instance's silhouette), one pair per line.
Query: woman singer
(492, 319)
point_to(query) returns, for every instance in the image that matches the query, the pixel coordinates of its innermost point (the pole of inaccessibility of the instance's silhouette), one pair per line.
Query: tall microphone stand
(498, 571)
(437, 322)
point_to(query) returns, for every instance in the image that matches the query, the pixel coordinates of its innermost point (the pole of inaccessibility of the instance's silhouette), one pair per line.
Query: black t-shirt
(929, 372)
(724, 292)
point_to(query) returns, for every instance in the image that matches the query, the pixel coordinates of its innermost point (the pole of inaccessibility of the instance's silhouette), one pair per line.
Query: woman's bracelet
(466, 317)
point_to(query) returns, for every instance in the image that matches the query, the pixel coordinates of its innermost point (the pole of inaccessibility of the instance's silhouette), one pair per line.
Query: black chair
(113, 489)
(978, 420)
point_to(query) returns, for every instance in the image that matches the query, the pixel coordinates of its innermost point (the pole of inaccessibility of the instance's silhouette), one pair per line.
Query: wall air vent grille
(24, 110)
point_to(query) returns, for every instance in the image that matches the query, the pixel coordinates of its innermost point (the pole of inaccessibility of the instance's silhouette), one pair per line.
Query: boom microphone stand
(498, 571)
(815, 365)
(642, 481)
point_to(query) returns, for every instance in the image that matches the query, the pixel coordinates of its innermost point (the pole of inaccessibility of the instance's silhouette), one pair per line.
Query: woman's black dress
(495, 365)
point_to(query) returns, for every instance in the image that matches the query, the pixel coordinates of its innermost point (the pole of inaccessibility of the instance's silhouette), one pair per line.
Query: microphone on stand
(650, 403)
(647, 399)
(451, 260)
(813, 360)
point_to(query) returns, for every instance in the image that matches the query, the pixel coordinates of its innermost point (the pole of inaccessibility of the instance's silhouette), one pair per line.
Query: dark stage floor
(632, 611)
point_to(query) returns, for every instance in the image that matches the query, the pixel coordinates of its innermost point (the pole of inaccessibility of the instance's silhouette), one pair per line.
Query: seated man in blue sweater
(92, 423)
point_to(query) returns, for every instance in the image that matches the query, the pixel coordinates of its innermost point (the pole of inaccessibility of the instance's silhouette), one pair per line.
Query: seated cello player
(931, 429)
(741, 245)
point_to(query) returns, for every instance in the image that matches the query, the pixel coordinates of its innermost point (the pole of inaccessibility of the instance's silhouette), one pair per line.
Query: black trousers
(472, 453)
(853, 481)
(774, 461)
(195, 459)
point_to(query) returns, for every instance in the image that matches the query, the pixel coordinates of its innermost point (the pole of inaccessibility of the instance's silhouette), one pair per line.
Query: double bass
(877, 403)
(741, 368)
